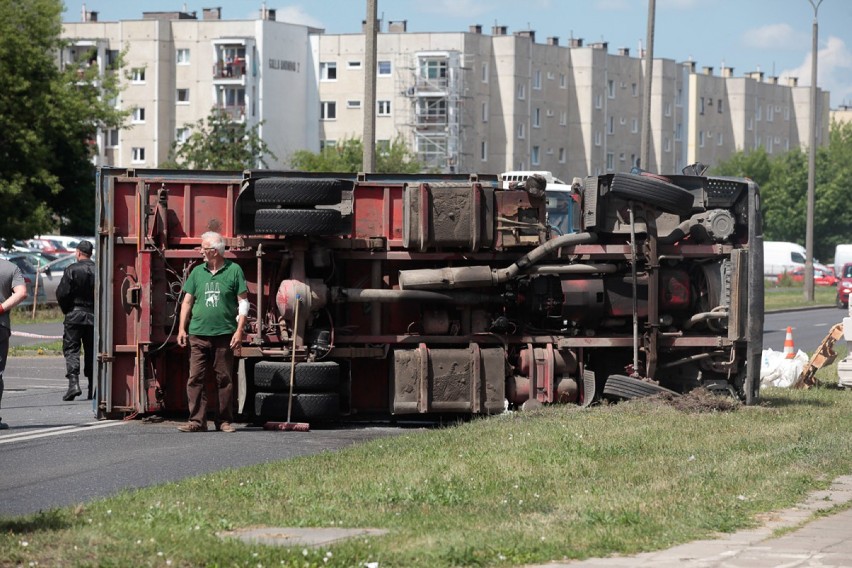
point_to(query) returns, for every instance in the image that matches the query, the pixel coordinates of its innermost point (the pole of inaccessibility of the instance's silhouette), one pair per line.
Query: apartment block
(179, 67)
(462, 101)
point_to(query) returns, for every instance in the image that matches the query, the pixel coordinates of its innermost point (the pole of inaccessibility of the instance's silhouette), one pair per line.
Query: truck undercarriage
(427, 295)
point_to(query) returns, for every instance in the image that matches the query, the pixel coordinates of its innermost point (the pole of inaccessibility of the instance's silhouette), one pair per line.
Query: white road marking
(57, 431)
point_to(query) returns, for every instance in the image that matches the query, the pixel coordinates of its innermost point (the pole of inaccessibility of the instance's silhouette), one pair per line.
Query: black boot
(73, 388)
(89, 392)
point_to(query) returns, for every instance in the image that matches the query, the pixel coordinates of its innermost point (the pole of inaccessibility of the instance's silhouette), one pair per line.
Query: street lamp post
(645, 143)
(809, 230)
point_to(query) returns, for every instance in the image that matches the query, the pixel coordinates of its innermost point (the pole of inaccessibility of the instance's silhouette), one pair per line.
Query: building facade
(462, 101)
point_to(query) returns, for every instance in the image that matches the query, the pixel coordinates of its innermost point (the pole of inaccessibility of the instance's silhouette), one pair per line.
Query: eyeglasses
(207, 249)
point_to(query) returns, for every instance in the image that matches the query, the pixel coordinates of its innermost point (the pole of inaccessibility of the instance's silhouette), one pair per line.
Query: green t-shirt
(214, 311)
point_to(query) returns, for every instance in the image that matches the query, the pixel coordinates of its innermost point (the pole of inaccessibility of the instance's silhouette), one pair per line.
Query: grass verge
(561, 483)
(43, 314)
(794, 297)
(47, 349)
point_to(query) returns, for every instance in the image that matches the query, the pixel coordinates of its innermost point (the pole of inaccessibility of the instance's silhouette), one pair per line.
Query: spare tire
(274, 376)
(306, 406)
(646, 189)
(297, 222)
(304, 192)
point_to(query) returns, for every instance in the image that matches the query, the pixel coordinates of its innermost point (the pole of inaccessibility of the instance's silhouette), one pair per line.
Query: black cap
(85, 247)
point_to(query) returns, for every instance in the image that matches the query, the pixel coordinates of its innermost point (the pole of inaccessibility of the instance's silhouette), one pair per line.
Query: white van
(562, 211)
(842, 255)
(780, 257)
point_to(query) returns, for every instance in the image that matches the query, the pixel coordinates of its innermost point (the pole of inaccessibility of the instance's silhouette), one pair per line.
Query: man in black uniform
(76, 296)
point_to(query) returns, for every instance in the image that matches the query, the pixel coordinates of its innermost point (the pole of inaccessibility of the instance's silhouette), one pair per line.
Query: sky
(773, 36)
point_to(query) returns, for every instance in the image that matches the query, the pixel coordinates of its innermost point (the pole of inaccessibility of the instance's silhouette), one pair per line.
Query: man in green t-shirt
(216, 322)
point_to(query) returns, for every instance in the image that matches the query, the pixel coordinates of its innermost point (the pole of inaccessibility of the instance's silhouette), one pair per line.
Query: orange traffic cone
(789, 347)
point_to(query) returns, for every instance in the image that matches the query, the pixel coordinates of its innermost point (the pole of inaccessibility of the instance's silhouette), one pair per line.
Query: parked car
(52, 273)
(49, 246)
(30, 276)
(822, 276)
(844, 285)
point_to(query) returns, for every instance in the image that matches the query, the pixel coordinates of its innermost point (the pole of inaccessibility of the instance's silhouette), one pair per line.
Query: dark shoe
(192, 427)
(226, 427)
(4, 426)
(89, 392)
(73, 389)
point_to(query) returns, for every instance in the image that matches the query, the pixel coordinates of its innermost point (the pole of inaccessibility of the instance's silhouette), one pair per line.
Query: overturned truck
(400, 295)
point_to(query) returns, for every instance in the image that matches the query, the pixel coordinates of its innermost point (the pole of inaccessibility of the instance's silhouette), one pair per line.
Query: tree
(221, 144)
(49, 117)
(347, 156)
(783, 184)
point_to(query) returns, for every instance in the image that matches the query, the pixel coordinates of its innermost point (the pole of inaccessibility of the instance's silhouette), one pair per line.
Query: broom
(291, 426)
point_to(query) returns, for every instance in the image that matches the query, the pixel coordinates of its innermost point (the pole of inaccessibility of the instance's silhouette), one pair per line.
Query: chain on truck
(425, 295)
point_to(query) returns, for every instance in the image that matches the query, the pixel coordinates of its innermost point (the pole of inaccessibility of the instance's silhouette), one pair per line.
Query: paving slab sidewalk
(825, 542)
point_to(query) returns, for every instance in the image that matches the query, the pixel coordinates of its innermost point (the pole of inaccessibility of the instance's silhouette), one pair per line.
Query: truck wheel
(627, 388)
(653, 191)
(274, 376)
(297, 191)
(306, 406)
(297, 222)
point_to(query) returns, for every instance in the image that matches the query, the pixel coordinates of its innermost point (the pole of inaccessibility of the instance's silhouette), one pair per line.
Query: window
(383, 108)
(719, 106)
(183, 95)
(522, 91)
(485, 111)
(598, 101)
(562, 155)
(182, 57)
(537, 80)
(353, 104)
(770, 113)
(759, 113)
(562, 81)
(522, 132)
(328, 110)
(138, 115)
(181, 135)
(701, 105)
(679, 97)
(610, 89)
(598, 138)
(536, 118)
(634, 89)
(328, 71)
(137, 155)
(678, 131)
(534, 158)
(327, 144)
(610, 161)
(484, 72)
(137, 75)
(701, 138)
(383, 146)
(112, 58)
(719, 140)
(433, 69)
(667, 144)
(749, 124)
(483, 150)
(384, 68)
(621, 157)
(112, 138)
(667, 109)
(563, 118)
(610, 125)
(634, 126)
(353, 64)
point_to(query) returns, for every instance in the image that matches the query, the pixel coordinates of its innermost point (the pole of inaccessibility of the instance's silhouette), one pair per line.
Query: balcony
(237, 113)
(224, 70)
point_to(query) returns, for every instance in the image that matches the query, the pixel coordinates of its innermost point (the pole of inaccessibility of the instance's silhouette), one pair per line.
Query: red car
(821, 277)
(844, 285)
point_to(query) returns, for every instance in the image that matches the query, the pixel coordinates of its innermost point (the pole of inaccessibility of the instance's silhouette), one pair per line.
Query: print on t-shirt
(211, 294)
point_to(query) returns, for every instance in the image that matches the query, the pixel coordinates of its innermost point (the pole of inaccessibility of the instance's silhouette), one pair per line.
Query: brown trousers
(204, 350)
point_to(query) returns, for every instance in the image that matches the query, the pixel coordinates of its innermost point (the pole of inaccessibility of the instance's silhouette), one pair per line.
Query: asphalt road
(56, 453)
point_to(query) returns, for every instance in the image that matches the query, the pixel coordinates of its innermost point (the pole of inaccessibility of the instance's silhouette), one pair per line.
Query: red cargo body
(426, 295)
